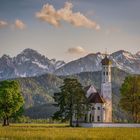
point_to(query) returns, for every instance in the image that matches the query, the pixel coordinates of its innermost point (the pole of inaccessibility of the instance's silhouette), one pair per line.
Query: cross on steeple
(105, 51)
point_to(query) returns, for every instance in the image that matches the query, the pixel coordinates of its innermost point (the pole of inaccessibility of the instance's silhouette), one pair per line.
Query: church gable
(89, 90)
(95, 98)
(92, 95)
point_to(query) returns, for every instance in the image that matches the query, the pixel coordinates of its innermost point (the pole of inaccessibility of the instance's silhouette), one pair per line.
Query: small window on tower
(98, 118)
(103, 73)
(106, 73)
(98, 108)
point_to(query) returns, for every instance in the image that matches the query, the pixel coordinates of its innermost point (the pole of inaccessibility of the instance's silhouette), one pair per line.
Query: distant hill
(39, 90)
(42, 111)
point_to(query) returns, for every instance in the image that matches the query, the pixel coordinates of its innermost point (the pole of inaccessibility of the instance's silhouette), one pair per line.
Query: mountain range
(121, 59)
(31, 63)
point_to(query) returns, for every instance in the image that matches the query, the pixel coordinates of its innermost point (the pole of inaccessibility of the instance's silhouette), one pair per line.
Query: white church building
(100, 103)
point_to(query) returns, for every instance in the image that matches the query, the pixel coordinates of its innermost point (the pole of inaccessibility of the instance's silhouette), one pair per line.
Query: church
(100, 110)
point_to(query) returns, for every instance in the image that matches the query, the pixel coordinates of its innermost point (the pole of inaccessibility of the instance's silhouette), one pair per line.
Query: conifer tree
(70, 99)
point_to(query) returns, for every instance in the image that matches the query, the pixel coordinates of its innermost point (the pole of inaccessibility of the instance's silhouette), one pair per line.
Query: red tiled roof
(95, 98)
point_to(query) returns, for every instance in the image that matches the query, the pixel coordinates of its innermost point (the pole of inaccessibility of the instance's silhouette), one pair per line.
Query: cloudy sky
(69, 29)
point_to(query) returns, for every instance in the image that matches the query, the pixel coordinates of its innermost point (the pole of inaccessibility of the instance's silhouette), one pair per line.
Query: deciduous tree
(130, 97)
(11, 100)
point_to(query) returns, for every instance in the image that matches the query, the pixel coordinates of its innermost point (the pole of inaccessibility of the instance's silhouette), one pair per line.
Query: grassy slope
(62, 132)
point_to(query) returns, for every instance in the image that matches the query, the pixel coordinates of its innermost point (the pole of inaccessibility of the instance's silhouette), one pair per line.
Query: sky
(69, 29)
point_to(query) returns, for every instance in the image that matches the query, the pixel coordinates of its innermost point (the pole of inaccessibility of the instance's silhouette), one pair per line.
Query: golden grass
(63, 132)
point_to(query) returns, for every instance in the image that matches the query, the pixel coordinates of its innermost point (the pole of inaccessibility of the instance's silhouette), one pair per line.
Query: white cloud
(54, 17)
(3, 24)
(77, 50)
(19, 24)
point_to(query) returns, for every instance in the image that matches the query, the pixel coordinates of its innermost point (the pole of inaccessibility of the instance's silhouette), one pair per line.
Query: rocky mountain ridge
(121, 59)
(27, 64)
(31, 63)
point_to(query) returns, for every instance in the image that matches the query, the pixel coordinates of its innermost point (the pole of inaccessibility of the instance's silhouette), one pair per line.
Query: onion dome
(106, 61)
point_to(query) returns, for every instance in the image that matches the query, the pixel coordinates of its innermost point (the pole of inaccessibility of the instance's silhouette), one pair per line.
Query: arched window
(98, 118)
(90, 119)
(107, 73)
(85, 117)
(93, 118)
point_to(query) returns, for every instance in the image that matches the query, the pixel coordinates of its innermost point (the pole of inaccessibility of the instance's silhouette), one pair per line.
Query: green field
(63, 132)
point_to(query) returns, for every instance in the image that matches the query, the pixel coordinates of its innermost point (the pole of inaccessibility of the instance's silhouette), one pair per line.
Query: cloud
(3, 24)
(19, 24)
(54, 17)
(77, 50)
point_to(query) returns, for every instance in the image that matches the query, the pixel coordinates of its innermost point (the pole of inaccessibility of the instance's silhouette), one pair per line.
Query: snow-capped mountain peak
(26, 64)
(121, 59)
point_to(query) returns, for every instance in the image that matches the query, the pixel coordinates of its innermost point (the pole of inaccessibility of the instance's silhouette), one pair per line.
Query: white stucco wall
(96, 114)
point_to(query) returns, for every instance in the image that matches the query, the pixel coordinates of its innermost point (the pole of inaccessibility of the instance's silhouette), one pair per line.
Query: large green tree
(71, 100)
(11, 100)
(130, 97)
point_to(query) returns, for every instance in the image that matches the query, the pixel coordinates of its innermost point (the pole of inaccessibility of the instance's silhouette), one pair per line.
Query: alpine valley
(40, 77)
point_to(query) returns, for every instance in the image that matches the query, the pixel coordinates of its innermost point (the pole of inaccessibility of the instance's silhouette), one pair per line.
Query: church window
(103, 73)
(106, 73)
(90, 118)
(98, 118)
(85, 117)
(98, 108)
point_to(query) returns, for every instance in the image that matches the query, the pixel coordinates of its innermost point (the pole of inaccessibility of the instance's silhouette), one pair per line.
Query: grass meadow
(63, 132)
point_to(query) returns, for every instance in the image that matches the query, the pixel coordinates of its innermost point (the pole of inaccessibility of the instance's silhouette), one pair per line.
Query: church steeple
(106, 88)
(106, 70)
(106, 60)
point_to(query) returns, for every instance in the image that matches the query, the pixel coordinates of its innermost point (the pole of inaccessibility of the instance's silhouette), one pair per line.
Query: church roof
(95, 98)
(106, 61)
(93, 95)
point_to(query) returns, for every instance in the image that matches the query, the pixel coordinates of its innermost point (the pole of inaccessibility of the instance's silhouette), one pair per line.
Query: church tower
(106, 89)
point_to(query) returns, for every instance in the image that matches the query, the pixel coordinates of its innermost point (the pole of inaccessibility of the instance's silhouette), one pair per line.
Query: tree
(71, 100)
(11, 100)
(130, 97)
(18, 115)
